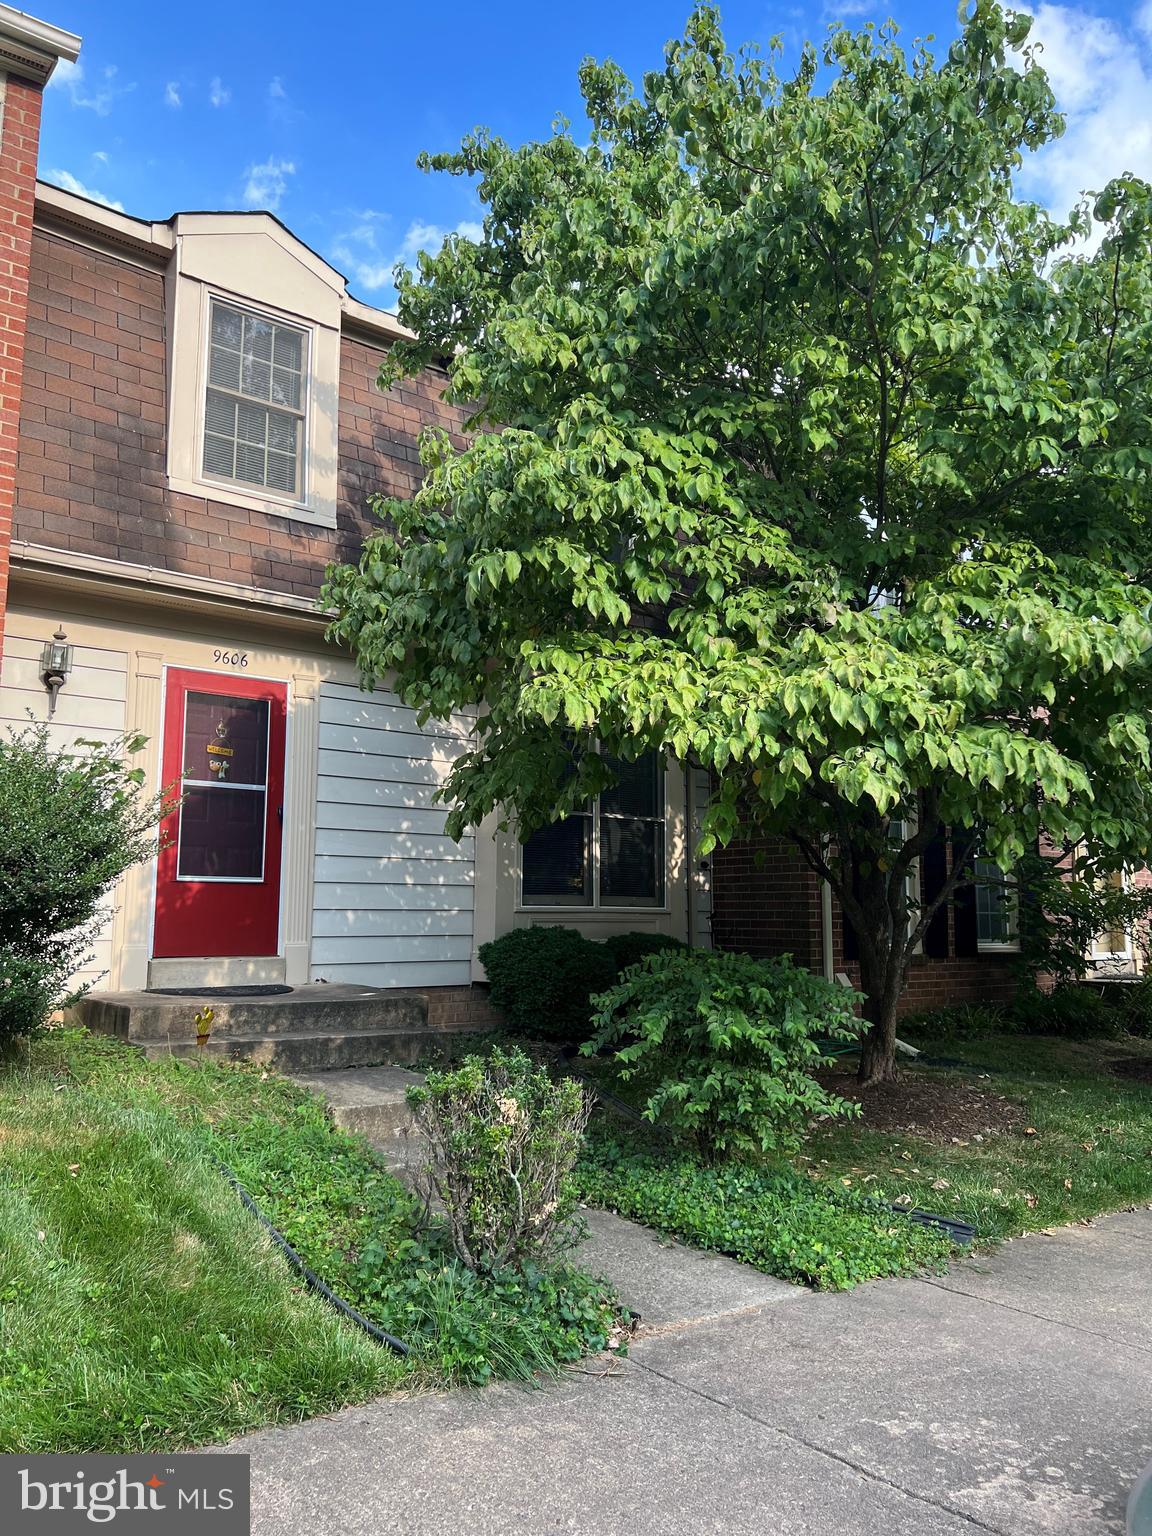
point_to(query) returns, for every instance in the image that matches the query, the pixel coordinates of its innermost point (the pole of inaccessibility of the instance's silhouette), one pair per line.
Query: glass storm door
(218, 873)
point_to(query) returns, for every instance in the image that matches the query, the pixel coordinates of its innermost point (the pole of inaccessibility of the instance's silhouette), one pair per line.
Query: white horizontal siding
(393, 897)
(337, 897)
(341, 815)
(91, 705)
(347, 922)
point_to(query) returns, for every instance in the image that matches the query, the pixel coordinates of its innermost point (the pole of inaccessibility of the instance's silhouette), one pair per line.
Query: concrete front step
(294, 1051)
(372, 1102)
(313, 1009)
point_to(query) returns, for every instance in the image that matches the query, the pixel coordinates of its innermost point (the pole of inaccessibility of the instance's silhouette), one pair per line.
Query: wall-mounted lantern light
(55, 665)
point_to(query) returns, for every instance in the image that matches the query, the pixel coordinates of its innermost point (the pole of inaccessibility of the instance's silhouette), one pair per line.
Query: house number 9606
(230, 658)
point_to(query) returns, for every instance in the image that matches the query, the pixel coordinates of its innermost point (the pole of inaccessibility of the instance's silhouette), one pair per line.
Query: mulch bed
(936, 1109)
(1136, 1068)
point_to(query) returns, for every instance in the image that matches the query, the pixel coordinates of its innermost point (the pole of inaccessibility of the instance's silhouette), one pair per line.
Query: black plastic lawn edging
(962, 1233)
(311, 1279)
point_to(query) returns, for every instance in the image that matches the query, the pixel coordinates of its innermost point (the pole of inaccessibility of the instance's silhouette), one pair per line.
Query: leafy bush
(542, 978)
(628, 949)
(503, 1139)
(1076, 1012)
(1132, 1003)
(71, 822)
(775, 1219)
(723, 1045)
(511, 1324)
(958, 1021)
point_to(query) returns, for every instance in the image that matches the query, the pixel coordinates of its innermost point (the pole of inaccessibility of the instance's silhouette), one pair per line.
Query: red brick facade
(767, 902)
(91, 476)
(19, 142)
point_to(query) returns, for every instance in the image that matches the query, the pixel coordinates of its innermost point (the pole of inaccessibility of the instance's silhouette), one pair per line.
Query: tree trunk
(881, 978)
(878, 1049)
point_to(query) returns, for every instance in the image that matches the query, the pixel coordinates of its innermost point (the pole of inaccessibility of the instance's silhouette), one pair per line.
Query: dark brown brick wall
(766, 902)
(92, 462)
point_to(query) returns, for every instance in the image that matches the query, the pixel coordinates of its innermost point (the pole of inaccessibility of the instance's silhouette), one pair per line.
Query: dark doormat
(265, 991)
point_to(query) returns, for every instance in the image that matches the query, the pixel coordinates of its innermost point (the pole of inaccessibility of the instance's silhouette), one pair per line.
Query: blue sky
(318, 112)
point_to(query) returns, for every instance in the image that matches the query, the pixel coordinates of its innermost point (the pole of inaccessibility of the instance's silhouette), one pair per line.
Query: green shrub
(775, 1219)
(71, 822)
(1077, 1012)
(542, 978)
(628, 949)
(1132, 1002)
(958, 1021)
(723, 1045)
(503, 1139)
(511, 1324)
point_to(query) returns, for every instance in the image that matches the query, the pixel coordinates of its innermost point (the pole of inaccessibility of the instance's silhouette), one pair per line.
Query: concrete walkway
(1013, 1396)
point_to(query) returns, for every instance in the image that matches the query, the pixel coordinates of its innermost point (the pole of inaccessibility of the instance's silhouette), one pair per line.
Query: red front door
(218, 874)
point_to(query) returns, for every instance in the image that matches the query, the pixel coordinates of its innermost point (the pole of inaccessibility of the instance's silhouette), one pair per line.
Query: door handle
(280, 814)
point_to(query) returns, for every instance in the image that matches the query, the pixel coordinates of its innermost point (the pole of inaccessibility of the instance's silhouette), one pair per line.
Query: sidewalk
(1013, 1396)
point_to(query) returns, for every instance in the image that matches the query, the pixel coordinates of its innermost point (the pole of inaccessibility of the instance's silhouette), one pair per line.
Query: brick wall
(19, 142)
(450, 1007)
(91, 471)
(766, 902)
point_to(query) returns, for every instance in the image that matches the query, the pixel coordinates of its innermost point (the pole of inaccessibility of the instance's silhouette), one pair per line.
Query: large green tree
(805, 450)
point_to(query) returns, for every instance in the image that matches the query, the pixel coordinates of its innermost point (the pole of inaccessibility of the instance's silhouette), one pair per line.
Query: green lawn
(142, 1307)
(1090, 1151)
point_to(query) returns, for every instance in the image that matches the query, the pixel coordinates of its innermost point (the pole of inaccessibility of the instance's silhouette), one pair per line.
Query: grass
(826, 1219)
(143, 1308)
(1090, 1150)
(139, 1306)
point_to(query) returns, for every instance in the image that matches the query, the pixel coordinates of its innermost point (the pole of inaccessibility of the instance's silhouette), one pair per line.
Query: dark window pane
(638, 792)
(222, 834)
(226, 739)
(556, 863)
(631, 863)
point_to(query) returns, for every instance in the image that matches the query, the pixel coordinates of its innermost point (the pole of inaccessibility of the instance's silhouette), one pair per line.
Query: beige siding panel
(393, 896)
(90, 705)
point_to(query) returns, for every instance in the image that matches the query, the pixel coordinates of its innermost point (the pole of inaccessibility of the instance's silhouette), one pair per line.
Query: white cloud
(276, 91)
(101, 155)
(72, 183)
(218, 93)
(358, 248)
(172, 96)
(1101, 74)
(265, 185)
(68, 77)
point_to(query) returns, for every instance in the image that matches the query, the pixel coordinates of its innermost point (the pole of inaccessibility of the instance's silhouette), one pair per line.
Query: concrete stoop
(372, 1102)
(313, 1028)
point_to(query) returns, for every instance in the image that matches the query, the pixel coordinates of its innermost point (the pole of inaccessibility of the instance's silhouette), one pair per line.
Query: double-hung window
(256, 399)
(997, 908)
(609, 853)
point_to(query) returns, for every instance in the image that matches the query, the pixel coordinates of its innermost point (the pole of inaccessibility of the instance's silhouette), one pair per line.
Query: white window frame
(220, 484)
(1010, 945)
(291, 499)
(1098, 953)
(593, 815)
(909, 826)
